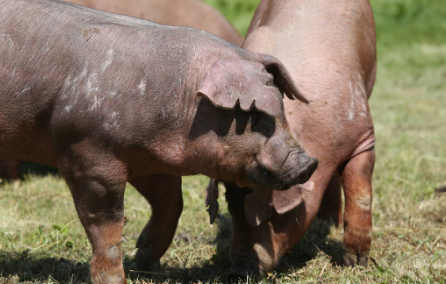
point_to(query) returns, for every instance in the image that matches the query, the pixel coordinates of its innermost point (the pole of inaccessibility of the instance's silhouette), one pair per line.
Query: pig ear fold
(232, 82)
(258, 206)
(211, 199)
(282, 79)
(286, 200)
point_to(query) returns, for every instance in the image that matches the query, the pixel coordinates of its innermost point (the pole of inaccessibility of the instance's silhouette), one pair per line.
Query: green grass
(42, 241)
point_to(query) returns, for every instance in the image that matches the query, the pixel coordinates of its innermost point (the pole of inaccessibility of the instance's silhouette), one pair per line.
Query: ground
(42, 241)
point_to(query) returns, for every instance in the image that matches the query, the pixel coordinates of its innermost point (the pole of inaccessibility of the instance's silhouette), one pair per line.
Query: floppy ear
(235, 81)
(285, 200)
(211, 199)
(259, 203)
(282, 79)
(258, 206)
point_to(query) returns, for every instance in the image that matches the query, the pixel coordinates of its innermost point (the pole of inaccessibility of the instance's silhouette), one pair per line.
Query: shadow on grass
(39, 268)
(213, 270)
(315, 241)
(26, 266)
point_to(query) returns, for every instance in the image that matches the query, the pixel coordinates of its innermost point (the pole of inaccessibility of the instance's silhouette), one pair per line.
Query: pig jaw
(252, 261)
(254, 250)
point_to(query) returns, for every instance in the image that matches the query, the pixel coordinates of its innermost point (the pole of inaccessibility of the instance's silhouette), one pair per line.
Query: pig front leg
(163, 192)
(97, 185)
(357, 182)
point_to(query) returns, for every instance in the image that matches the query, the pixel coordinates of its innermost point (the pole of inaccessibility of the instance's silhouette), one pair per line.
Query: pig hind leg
(357, 183)
(331, 204)
(163, 192)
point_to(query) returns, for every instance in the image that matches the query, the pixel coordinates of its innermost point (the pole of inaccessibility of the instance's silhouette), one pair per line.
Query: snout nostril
(308, 168)
(312, 165)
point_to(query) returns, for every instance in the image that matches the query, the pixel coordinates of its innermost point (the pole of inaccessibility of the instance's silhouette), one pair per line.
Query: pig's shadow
(28, 267)
(314, 241)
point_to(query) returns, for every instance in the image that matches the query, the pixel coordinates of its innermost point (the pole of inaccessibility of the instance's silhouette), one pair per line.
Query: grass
(42, 241)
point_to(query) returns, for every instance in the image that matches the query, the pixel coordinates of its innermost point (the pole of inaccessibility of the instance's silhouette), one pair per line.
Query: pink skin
(187, 13)
(109, 98)
(329, 49)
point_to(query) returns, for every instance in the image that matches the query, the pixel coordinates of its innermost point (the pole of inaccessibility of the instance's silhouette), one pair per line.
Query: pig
(329, 48)
(187, 13)
(108, 99)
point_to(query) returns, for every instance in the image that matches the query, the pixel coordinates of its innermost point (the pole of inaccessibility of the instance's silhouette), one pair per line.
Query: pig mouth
(299, 173)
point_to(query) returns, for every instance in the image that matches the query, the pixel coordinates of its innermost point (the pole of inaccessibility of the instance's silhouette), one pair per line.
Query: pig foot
(144, 259)
(357, 183)
(163, 192)
(353, 258)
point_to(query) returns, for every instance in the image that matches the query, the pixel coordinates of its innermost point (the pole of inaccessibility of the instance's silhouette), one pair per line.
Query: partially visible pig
(329, 48)
(188, 13)
(110, 99)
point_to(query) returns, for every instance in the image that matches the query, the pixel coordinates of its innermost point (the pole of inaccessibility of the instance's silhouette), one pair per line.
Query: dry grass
(42, 241)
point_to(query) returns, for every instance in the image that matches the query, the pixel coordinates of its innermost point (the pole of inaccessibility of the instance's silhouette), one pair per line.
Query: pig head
(251, 117)
(330, 53)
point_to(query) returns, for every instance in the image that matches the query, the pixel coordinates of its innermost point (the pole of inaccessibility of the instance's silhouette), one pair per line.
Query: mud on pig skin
(110, 99)
(329, 49)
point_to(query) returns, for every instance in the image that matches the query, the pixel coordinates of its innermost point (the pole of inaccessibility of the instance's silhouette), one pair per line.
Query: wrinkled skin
(329, 49)
(110, 99)
(188, 13)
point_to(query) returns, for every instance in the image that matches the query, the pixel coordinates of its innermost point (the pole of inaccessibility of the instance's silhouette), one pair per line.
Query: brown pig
(110, 98)
(329, 48)
(188, 13)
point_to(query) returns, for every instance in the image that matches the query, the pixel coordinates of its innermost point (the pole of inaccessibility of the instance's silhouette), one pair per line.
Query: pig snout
(282, 166)
(307, 165)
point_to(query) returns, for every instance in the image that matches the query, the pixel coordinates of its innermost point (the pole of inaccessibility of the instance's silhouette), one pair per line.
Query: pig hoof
(352, 259)
(144, 259)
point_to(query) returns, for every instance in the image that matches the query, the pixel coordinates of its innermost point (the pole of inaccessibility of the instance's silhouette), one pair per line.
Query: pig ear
(285, 200)
(282, 79)
(258, 206)
(259, 203)
(232, 82)
(211, 199)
